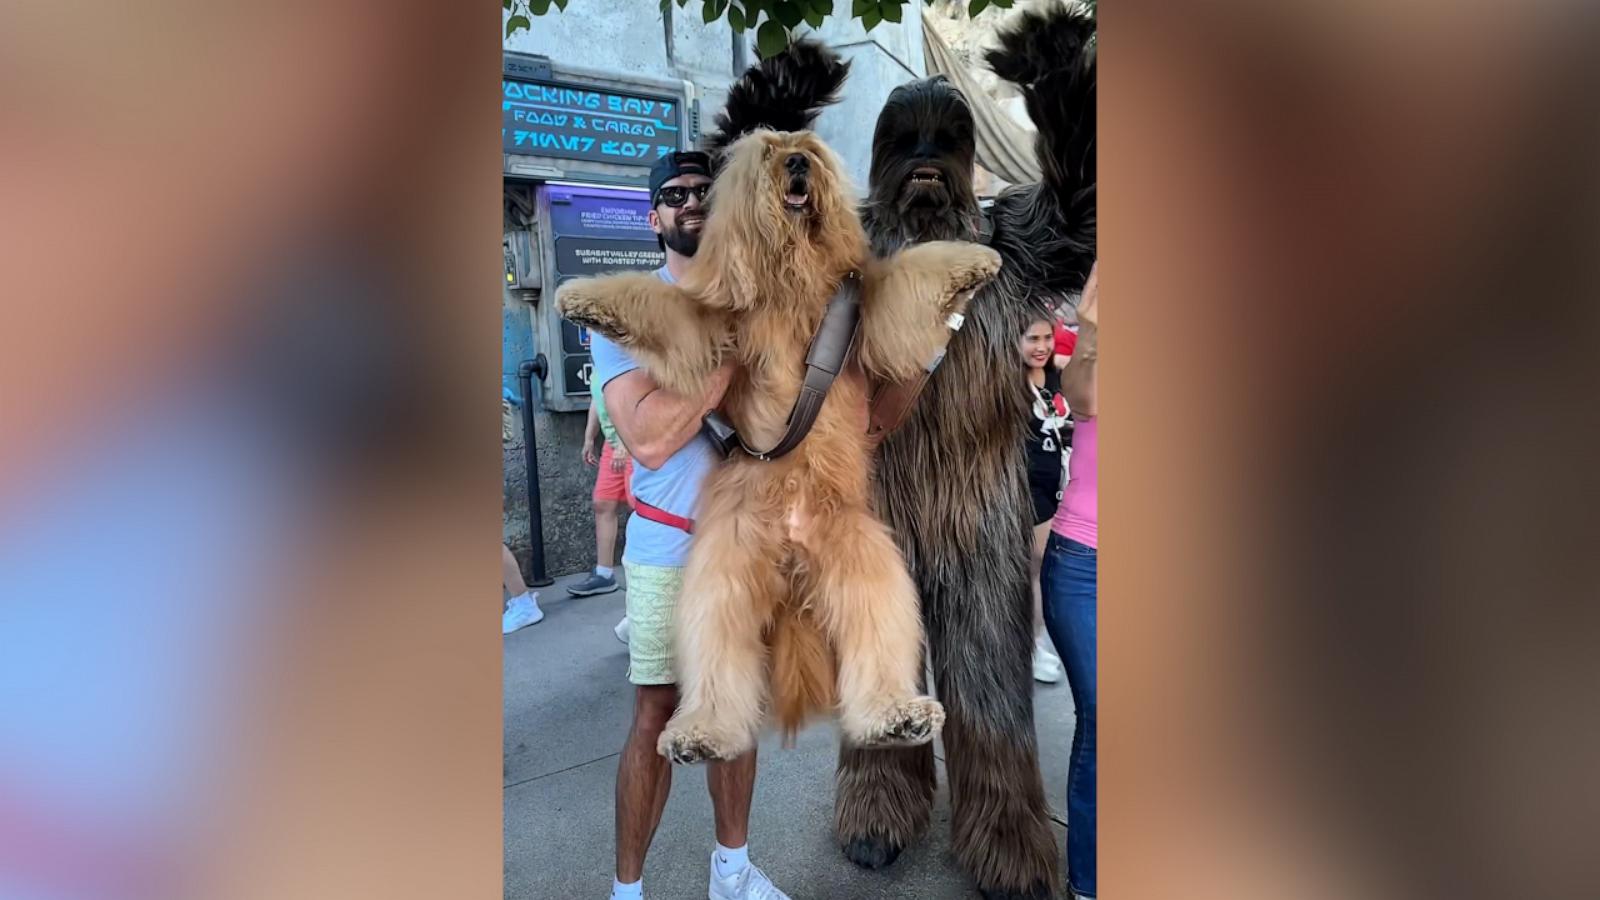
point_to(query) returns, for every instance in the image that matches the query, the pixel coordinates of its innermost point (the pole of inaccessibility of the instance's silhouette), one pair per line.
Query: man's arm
(591, 430)
(654, 422)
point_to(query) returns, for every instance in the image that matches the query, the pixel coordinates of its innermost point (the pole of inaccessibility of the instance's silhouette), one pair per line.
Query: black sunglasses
(677, 195)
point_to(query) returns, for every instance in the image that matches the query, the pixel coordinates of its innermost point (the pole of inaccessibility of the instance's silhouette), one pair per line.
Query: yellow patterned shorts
(652, 598)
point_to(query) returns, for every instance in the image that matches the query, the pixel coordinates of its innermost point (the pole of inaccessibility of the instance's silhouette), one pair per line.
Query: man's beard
(682, 241)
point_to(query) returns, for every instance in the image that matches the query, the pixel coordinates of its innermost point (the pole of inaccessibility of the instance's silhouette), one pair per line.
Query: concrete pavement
(567, 709)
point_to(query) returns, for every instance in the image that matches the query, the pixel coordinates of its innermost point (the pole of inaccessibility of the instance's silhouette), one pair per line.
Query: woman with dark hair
(1049, 439)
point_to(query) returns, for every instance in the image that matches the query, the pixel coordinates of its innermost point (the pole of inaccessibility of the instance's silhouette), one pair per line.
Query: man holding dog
(662, 432)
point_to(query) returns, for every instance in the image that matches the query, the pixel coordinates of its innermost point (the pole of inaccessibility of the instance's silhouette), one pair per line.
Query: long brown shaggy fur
(790, 577)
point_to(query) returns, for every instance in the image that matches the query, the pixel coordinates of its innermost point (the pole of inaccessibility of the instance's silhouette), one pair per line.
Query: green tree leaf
(871, 18)
(1003, 4)
(538, 7)
(736, 19)
(890, 10)
(516, 24)
(976, 6)
(861, 7)
(712, 10)
(771, 38)
(788, 12)
(561, 5)
(505, 4)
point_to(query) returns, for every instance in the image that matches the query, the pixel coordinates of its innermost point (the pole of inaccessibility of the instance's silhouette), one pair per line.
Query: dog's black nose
(797, 164)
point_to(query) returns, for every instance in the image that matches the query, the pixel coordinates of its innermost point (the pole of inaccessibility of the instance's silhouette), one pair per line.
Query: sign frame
(529, 68)
(551, 332)
(657, 97)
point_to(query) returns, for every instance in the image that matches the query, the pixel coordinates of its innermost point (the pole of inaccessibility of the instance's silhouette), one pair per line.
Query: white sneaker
(747, 884)
(1047, 666)
(521, 612)
(621, 631)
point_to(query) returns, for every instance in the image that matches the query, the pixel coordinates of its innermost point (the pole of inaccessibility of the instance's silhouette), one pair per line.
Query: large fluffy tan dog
(790, 578)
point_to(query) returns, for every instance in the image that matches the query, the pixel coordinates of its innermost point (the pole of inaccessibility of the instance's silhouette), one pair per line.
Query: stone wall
(565, 486)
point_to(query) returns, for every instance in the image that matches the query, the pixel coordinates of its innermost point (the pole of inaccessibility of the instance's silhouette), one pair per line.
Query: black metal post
(525, 372)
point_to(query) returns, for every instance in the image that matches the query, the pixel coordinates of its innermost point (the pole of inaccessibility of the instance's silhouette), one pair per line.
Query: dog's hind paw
(687, 745)
(906, 724)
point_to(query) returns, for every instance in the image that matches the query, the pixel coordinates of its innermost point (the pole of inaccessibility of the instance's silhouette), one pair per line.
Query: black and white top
(1049, 439)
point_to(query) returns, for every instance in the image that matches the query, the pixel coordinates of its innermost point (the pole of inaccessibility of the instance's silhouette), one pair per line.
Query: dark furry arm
(783, 92)
(672, 335)
(1047, 230)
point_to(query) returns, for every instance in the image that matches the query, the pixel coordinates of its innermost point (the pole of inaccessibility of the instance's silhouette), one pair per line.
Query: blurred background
(255, 307)
(249, 494)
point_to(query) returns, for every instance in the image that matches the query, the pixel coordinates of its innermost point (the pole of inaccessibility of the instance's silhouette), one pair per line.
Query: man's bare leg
(732, 785)
(606, 513)
(510, 575)
(644, 777)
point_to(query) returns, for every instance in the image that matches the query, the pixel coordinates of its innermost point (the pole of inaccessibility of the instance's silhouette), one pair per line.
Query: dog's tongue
(794, 199)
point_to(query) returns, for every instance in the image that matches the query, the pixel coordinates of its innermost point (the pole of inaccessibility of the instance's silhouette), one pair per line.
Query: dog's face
(923, 149)
(787, 187)
(783, 227)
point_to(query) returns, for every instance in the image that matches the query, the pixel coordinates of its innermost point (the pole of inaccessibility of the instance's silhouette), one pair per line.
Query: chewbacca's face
(923, 149)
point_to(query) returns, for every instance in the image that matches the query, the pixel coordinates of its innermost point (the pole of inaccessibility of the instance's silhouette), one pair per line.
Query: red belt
(656, 514)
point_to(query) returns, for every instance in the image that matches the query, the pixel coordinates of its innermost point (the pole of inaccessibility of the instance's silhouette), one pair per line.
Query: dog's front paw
(582, 302)
(906, 724)
(976, 266)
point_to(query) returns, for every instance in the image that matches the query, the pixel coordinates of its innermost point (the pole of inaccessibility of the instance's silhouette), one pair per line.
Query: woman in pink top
(1069, 585)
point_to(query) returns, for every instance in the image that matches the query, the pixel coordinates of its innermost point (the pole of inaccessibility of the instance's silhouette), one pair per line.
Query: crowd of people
(653, 457)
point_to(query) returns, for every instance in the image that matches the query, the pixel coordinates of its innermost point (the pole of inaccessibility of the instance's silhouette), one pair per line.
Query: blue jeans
(1068, 581)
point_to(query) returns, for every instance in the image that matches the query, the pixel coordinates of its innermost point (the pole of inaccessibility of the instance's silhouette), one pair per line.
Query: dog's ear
(843, 240)
(728, 266)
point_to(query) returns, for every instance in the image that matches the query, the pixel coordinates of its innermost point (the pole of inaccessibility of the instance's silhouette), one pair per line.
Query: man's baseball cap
(683, 162)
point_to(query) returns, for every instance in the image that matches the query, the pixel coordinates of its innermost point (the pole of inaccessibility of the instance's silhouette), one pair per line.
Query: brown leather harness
(830, 347)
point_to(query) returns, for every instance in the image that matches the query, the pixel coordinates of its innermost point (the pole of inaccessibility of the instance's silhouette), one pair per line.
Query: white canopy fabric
(1004, 147)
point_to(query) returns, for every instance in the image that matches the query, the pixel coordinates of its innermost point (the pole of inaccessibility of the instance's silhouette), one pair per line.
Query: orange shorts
(609, 485)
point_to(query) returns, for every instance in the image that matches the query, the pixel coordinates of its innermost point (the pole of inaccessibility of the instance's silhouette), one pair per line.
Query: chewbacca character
(951, 482)
(790, 577)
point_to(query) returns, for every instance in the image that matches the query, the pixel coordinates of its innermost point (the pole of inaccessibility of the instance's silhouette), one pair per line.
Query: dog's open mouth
(926, 175)
(799, 194)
